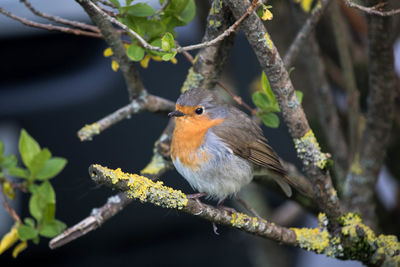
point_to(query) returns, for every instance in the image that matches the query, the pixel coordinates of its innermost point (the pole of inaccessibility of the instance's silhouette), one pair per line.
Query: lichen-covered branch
(144, 102)
(113, 39)
(353, 240)
(50, 27)
(314, 161)
(304, 33)
(361, 181)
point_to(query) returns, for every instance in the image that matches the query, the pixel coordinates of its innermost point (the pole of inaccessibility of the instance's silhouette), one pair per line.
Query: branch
(354, 240)
(361, 181)
(372, 10)
(8, 208)
(304, 33)
(144, 102)
(308, 150)
(95, 9)
(113, 39)
(76, 24)
(49, 27)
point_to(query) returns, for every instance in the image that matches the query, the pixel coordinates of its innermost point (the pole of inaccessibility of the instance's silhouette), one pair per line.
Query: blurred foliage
(39, 167)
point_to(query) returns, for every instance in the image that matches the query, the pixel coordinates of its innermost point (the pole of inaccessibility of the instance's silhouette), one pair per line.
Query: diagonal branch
(113, 39)
(76, 24)
(49, 27)
(144, 102)
(361, 181)
(372, 10)
(314, 161)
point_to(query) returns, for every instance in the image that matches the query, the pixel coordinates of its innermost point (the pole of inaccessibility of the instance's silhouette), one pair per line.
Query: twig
(304, 33)
(112, 37)
(76, 24)
(106, 3)
(308, 150)
(361, 181)
(162, 8)
(98, 216)
(372, 10)
(49, 27)
(145, 102)
(8, 208)
(178, 50)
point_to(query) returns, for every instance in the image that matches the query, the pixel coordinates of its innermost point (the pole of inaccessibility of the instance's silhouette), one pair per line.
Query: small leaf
(29, 221)
(135, 52)
(1, 148)
(8, 190)
(299, 95)
(18, 172)
(9, 239)
(115, 2)
(51, 168)
(188, 13)
(46, 192)
(36, 240)
(167, 42)
(271, 120)
(39, 160)
(140, 10)
(36, 206)
(52, 229)
(19, 248)
(167, 57)
(28, 147)
(49, 212)
(267, 88)
(261, 100)
(26, 232)
(9, 161)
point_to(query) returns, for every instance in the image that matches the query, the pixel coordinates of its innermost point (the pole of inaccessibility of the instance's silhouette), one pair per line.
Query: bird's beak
(176, 113)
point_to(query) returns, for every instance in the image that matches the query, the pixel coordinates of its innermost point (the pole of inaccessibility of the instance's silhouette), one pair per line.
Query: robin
(218, 149)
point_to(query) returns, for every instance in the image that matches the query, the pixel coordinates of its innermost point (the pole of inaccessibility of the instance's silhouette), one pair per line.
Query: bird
(218, 148)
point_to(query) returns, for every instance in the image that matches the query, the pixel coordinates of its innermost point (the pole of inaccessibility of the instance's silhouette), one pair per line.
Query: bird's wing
(244, 137)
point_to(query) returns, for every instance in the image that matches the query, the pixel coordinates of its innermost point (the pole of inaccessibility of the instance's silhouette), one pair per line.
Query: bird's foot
(220, 205)
(196, 197)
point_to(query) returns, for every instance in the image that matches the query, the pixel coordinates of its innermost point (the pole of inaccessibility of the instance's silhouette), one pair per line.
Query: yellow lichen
(146, 190)
(156, 164)
(308, 150)
(355, 166)
(267, 14)
(88, 131)
(193, 80)
(239, 220)
(312, 239)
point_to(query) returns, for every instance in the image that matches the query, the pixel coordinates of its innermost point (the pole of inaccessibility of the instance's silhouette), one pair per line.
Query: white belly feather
(224, 174)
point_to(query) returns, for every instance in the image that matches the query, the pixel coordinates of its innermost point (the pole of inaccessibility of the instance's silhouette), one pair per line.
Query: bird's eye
(199, 111)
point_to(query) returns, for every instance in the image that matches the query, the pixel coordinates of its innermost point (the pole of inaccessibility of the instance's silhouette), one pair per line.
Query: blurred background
(52, 84)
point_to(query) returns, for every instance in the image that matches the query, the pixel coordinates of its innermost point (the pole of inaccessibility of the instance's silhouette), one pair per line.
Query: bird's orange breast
(187, 138)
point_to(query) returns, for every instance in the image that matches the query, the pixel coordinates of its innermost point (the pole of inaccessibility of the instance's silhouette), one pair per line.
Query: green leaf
(139, 10)
(28, 147)
(36, 206)
(39, 160)
(29, 221)
(46, 192)
(18, 172)
(1, 148)
(9, 161)
(188, 13)
(271, 120)
(116, 3)
(36, 240)
(299, 95)
(128, 2)
(52, 229)
(167, 57)
(135, 52)
(167, 42)
(51, 168)
(261, 100)
(26, 232)
(49, 212)
(267, 88)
